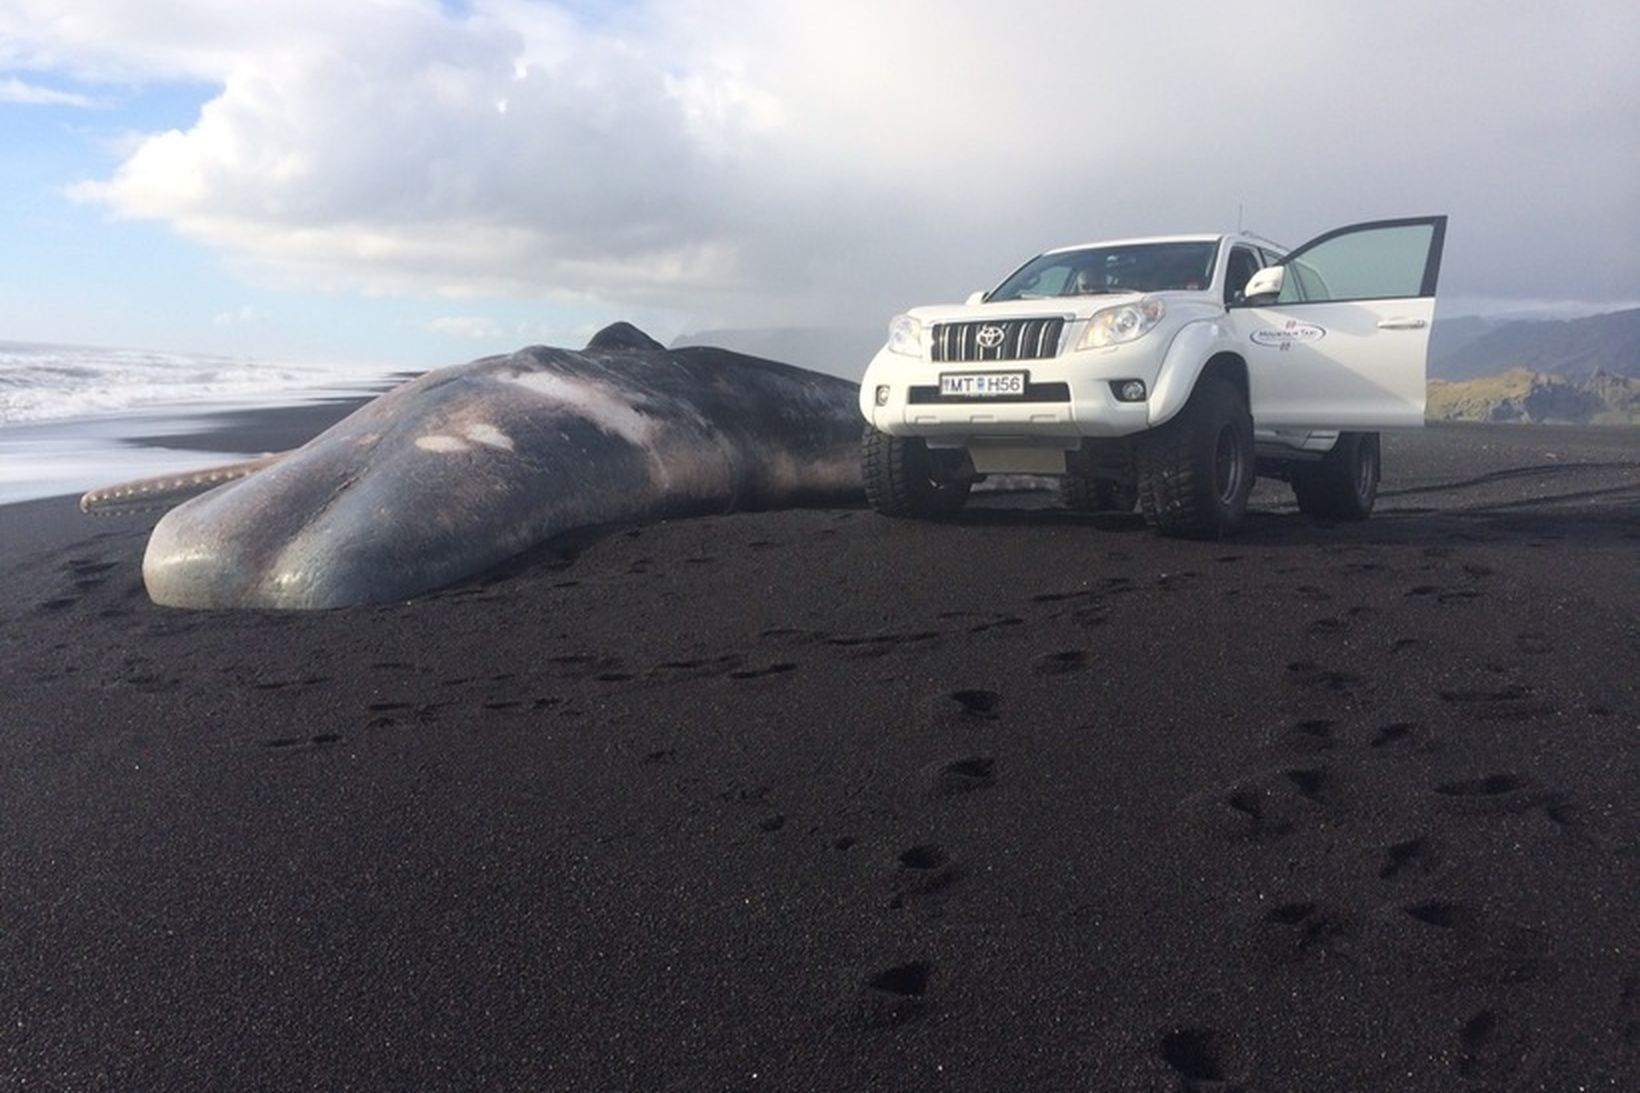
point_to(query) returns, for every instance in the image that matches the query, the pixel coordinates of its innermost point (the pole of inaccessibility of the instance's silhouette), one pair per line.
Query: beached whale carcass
(462, 468)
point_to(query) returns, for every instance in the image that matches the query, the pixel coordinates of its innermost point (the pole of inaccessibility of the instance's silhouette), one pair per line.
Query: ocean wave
(55, 382)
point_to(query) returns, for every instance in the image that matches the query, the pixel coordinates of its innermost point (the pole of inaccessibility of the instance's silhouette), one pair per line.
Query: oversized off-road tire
(1196, 471)
(1344, 484)
(904, 478)
(1081, 494)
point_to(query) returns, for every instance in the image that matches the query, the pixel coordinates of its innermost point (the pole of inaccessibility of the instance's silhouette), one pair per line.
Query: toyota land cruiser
(1165, 372)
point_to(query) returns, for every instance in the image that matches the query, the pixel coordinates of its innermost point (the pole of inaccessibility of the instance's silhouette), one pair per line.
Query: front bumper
(1068, 396)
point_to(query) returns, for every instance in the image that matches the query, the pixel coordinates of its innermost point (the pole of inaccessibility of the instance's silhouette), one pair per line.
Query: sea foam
(69, 414)
(54, 382)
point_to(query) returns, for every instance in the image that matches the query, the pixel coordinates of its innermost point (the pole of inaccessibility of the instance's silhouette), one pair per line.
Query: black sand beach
(819, 800)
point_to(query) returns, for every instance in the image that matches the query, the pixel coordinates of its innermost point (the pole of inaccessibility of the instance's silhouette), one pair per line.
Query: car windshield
(1092, 271)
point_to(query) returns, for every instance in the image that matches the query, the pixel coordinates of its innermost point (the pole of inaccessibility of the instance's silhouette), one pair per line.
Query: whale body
(465, 467)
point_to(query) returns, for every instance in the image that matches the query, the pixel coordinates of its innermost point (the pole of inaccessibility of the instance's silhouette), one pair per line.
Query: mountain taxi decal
(1289, 333)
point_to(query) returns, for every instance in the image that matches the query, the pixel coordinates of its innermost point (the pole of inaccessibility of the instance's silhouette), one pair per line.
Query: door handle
(1401, 324)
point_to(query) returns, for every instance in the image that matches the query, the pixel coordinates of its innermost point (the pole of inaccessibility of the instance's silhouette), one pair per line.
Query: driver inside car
(1088, 281)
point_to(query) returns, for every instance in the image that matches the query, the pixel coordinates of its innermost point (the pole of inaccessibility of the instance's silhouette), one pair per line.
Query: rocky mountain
(1527, 397)
(1565, 371)
(1466, 347)
(1450, 335)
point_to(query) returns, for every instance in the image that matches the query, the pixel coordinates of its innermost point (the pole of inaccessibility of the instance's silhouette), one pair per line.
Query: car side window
(1372, 263)
(1304, 283)
(1241, 265)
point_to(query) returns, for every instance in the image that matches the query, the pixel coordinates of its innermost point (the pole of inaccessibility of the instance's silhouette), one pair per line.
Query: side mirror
(1266, 282)
(976, 297)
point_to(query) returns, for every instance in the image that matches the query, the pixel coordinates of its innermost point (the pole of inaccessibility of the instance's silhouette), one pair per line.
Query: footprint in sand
(1443, 595)
(695, 668)
(759, 673)
(877, 645)
(1535, 643)
(386, 714)
(1491, 785)
(1441, 914)
(1500, 794)
(1399, 732)
(1058, 664)
(1089, 617)
(1293, 931)
(1513, 702)
(1311, 735)
(894, 995)
(288, 743)
(977, 622)
(1487, 1051)
(1309, 783)
(1201, 1055)
(1274, 803)
(979, 705)
(922, 871)
(959, 776)
(1311, 676)
(1058, 597)
(1413, 855)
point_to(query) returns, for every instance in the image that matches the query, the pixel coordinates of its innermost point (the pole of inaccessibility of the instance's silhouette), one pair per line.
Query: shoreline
(71, 455)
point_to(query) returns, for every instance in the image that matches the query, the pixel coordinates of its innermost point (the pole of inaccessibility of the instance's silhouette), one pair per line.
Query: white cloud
(474, 327)
(736, 161)
(237, 317)
(14, 90)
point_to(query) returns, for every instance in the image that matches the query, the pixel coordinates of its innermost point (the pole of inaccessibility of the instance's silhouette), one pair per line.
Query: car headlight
(1116, 325)
(905, 335)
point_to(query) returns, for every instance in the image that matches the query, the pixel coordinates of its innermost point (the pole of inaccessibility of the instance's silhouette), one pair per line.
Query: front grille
(1020, 340)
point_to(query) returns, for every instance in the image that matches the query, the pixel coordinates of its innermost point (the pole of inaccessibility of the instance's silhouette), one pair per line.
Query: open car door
(1336, 335)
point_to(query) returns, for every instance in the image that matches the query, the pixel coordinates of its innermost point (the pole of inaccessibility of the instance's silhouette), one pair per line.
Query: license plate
(982, 384)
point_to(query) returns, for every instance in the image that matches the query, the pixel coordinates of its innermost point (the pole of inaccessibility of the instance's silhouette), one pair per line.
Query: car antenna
(1238, 216)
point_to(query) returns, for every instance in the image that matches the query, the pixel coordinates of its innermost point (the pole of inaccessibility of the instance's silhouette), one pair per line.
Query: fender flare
(1193, 346)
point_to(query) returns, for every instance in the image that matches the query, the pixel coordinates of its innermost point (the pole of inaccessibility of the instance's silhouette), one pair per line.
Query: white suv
(1166, 372)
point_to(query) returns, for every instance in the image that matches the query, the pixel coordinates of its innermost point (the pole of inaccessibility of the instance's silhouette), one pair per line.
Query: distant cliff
(1527, 397)
(1537, 371)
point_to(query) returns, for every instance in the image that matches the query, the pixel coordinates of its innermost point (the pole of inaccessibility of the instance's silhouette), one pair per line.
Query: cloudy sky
(420, 182)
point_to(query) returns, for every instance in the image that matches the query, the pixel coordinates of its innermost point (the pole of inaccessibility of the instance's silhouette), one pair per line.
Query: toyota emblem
(989, 337)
